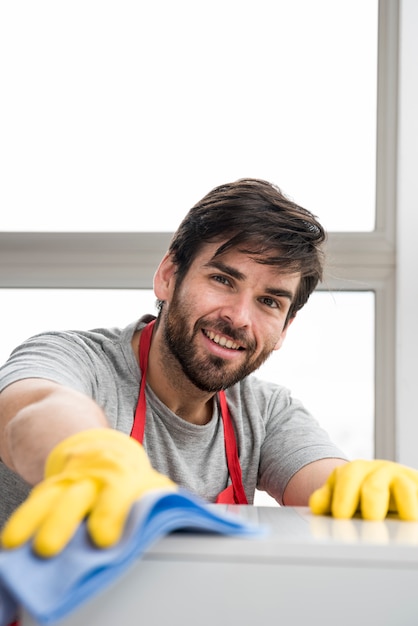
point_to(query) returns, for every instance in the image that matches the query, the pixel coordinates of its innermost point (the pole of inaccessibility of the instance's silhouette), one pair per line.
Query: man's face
(226, 317)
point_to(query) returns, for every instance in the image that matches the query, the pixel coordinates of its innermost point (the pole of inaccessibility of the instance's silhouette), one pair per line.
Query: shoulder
(74, 340)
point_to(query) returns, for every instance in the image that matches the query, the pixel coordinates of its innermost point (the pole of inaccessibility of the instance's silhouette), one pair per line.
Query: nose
(236, 309)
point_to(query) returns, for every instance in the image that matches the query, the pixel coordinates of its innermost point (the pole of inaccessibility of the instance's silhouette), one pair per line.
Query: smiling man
(244, 260)
(241, 309)
(221, 322)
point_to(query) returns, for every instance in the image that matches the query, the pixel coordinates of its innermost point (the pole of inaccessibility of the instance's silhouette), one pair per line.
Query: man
(242, 263)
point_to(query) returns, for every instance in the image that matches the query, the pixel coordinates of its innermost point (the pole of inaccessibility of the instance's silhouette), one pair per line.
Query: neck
(172, 387)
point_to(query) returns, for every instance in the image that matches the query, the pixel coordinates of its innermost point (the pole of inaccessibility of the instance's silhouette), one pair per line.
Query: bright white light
(120, 116)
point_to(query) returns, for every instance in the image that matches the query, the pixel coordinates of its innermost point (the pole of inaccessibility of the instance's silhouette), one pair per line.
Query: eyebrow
(235, 273)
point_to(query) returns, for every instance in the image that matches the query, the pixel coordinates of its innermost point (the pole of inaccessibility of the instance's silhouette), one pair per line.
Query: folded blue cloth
(50, 589)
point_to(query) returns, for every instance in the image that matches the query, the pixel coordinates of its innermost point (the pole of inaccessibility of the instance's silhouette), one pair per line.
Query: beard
(208, 373)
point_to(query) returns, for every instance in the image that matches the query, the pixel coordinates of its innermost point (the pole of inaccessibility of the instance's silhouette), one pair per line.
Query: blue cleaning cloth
(49, 589)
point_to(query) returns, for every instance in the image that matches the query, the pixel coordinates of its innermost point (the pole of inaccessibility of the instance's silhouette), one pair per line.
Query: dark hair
(255, 217)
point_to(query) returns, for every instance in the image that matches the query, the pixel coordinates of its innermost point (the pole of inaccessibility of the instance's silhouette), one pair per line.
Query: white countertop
(305, 569)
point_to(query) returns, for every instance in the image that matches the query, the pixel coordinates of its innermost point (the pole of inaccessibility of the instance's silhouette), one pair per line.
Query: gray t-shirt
(275, 434)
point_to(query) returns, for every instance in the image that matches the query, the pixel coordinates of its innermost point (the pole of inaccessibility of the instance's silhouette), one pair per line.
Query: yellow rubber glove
(372, 488)
(97, 473)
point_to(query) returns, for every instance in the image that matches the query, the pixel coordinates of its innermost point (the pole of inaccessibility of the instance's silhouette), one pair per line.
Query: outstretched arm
(35, 415)
(57, 439)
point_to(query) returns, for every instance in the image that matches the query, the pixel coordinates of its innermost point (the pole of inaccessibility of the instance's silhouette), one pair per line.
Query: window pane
(327, 359)
(120, 116)
(32, 311)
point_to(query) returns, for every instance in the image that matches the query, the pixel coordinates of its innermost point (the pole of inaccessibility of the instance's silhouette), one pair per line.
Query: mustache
(223, 328)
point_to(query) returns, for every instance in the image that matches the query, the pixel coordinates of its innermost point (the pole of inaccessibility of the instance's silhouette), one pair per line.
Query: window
(107, 143)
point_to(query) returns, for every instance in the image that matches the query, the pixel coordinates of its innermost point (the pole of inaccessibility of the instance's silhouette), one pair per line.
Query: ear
(164, 278)
(283, 334)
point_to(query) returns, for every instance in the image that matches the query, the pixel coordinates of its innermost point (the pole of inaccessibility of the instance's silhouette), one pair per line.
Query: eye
(221, 279)
(270, 302)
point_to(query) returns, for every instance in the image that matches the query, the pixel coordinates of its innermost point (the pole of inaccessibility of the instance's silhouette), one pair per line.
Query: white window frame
(407, 229)
(357, 261)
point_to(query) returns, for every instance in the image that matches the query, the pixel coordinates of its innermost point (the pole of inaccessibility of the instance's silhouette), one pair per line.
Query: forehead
(245, 263)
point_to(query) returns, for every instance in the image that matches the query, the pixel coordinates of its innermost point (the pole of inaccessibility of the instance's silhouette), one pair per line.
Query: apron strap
(232, 458)
(138, 427)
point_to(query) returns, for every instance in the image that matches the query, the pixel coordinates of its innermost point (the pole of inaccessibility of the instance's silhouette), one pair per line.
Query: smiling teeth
(225, 343)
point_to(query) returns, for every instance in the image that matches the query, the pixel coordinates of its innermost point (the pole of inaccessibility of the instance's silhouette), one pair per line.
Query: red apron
(234, 494)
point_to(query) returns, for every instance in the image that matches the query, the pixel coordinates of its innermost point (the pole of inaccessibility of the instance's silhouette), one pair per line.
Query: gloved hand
(372, 488)
(98, 473)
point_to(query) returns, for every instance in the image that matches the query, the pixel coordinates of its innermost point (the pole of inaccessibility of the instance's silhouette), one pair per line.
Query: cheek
(202, 300)
(280, 340)
(278, 343)
(273, 335)
(190, 302)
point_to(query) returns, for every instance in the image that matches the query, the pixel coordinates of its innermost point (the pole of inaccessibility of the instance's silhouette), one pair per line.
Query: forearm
(307, 480)
(38, 416)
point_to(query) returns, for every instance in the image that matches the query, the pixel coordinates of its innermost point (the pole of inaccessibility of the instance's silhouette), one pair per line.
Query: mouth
(222, 341)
